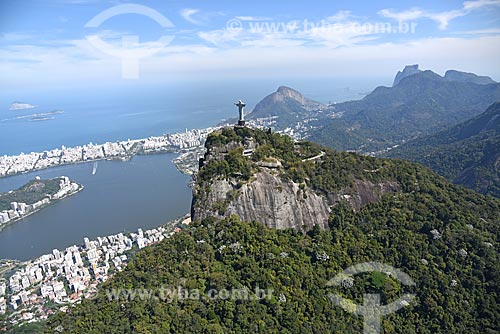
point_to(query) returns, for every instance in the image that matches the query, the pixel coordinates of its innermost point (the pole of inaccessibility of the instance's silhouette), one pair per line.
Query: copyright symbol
(234, 25)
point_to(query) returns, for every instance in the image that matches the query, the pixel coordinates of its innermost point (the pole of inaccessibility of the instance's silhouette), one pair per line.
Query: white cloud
(77, 61)
(272, 41)
(442, 18)
(199, 17)
(332, 32)
(407, 15)
(338, 47)
(341, 15)
(445, 17)
(481, 32)
(253, 18)
(255, 59)
(340, 34)
(220, 37)
(470, 5)
(10, 37)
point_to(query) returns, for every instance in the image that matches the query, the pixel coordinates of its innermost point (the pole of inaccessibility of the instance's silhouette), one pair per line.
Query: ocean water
(118, 113)
(123, 196)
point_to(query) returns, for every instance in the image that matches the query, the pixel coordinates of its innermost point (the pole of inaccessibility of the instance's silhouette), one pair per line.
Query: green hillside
(444, 237)
(30, 193)
(467, 154)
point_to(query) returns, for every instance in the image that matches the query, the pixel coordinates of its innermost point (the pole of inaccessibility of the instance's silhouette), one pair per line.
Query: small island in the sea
(17, 105)
(33, 196)
(41, 116)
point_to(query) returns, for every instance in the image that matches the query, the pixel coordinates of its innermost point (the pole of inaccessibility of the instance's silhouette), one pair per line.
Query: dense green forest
(395, 232)
(30, 193)
(466, 154)
(443, 236)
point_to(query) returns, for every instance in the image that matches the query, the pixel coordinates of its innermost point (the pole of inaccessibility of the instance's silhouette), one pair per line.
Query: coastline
(49, 203)
(186, 144)
(125, 150)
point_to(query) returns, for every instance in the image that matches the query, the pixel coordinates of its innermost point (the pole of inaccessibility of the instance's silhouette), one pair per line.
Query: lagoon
(144, 192)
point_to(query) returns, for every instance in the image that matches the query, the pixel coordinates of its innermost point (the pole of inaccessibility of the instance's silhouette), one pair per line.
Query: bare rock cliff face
(407, 71)
(282, 204)
(269, 200)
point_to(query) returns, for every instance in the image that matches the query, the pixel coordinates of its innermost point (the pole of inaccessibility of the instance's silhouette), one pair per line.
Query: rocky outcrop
(284, 92)
(269, 200)
(281, 204)
(407, 71)
(285, 101)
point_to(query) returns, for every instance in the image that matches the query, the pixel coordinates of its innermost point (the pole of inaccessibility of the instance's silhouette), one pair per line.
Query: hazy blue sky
(55, 43)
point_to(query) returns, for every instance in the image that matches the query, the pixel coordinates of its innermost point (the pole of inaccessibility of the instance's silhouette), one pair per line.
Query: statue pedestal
(241, 123)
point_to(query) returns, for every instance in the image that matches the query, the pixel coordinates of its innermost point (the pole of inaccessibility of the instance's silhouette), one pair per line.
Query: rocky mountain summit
(421, 104)
(288, 105)
(407, 71)
(285, 94)
(266, 177)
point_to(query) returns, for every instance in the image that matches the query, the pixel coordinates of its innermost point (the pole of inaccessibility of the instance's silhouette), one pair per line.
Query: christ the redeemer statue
(241, 105)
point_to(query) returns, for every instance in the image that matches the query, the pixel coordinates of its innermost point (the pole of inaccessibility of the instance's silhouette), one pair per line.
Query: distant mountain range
(453, 75)
(438, 117)
(420, 103)
(450, 75)
(17, 105)
(467, 154)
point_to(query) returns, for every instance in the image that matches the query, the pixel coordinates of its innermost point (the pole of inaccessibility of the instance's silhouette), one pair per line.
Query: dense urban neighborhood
(39, 287)
(176, 142)
(23, 163)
